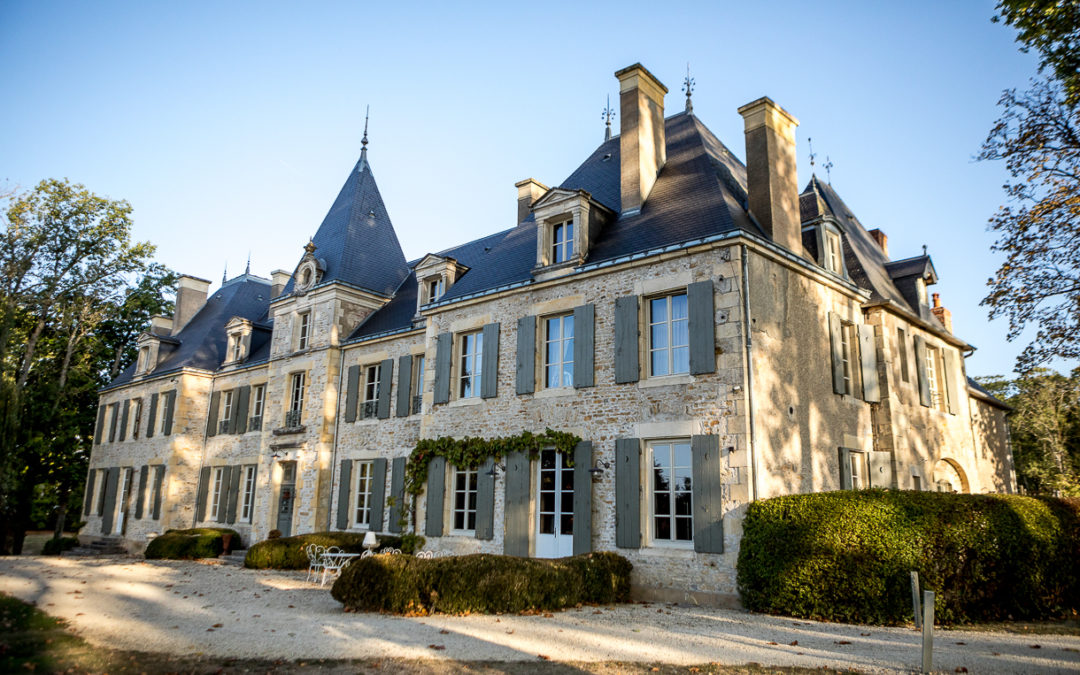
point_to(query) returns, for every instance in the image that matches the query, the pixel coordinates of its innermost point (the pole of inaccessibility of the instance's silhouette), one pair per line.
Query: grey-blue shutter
(344, 492)
(436, 489)
(584, 339)
(211, 422)
(170, 409)
(836, 338)
(378, 494)
(124, 419)
(950, 378)
(526, 355)
(627, 493)
(200, 495)
(920, 367)
(701, 324)
(101, 490)
(113, 422)
(444, 347)
(141, 499)
(397, 492)
(626, 339)
(89, 497)
(868, 364)
(404, 385)
(351, 391)
(159, 481)
(150, 423)
(241, 415)
(708, 494)
(582, 493)
(516, 504)
(234, 494)
(386, 377)
(223, 496)
(111, 477)
(100, 424)
(489, 378)
(485, 500)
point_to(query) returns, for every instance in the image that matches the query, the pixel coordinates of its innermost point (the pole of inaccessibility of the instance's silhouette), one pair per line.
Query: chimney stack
(278, 280)
(529, 190)
(642, 146)
(772, 183)
(882, 241)
(190, 298)
(943, 315)
(161, 325)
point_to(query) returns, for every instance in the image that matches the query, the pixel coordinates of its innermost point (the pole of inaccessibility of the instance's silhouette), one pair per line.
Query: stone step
(234, 558)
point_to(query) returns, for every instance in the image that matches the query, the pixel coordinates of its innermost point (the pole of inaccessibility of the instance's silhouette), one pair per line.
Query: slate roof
(981, 392)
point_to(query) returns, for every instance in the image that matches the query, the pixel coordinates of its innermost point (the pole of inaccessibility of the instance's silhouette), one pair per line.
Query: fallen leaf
(543, 657)
(773, 643)
(437, 647)
(842, 642)
(218, 625)
(1035, 646)
(793, 643)
(961, 643)
(549, 616)
(444, 632)
(864, 634)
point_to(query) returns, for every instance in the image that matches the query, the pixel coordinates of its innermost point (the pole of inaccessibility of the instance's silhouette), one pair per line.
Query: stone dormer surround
(434, 268)
(238, 330)
(559, 206)
(151, 349)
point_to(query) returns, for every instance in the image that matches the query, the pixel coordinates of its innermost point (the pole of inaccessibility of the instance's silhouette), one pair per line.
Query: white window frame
(469, 380)
(362, 490)
(226, 408)
(215, 495)
(247, 501)
(436, 287)
(236, 347)
(304, 332)
(834, 255)
(258, 399)
(418, 385)
(651, 447)
(143, 360)
(369, 406)
(859, 469)
(163, 405)
(669, 322)
(563, 343)
(562, 241)
(297, 386)
(463, 482)
(935, 379)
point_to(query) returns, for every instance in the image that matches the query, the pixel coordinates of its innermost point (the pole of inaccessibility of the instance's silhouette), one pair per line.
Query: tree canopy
(1051, 28)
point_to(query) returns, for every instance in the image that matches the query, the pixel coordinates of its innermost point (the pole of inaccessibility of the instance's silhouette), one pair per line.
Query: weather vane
(363, 141)
(606, 116)
(688, 87)
(812, 155)
(828, 169)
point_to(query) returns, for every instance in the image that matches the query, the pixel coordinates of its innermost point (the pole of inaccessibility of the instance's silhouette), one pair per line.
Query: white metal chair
(315, 560)
(331, 563)
(427, 555)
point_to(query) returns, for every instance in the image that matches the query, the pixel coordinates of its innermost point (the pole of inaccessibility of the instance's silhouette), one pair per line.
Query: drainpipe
(333, 453)
(749, 375)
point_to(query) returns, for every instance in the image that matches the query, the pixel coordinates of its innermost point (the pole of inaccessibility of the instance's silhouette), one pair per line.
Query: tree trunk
(28, 358)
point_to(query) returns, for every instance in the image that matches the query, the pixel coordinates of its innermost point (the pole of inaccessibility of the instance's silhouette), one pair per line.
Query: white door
(554, 506)
(121, 503)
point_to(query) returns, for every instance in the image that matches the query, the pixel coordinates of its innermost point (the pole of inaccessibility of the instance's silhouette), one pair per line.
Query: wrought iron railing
(417, 401)
(223, 427)
(369, 409)
(255, 423)
(292, 419)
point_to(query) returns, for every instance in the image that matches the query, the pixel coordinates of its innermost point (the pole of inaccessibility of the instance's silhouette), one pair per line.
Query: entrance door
(285, 501)
(554, 506)
(122, 502)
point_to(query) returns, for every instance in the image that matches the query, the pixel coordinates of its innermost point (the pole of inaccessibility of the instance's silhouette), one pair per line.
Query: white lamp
(370, 542)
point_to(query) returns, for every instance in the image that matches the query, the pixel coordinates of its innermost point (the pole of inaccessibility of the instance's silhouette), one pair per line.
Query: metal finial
(688, 87)
(924, 250)
(364, 141)
(606, 116)
(828, 169)
(225, 274)
(812, 155)
(247, 270)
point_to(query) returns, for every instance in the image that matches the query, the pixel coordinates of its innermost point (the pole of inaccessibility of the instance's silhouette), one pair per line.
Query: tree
(1051, 27)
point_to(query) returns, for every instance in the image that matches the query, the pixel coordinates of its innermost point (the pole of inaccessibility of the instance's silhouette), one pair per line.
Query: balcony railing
(417, 402)
(292, 419)
(255, 423)
(369, 409)
(223, 427)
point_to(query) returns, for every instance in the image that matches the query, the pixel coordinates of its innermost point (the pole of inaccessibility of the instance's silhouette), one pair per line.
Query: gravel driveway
(198, 608)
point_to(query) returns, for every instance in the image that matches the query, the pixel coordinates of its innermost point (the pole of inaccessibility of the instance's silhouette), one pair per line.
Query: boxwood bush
(847, 556)
(288, 553)
(481, 583)
(200, 542)
(57, 546)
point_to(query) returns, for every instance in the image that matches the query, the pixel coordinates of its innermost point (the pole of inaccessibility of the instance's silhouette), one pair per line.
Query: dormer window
(566, 222)
(562, 246)
(143, 362)
(436, 287)
(434, 277)
(834, 260)
(236, 347)
(238, 330)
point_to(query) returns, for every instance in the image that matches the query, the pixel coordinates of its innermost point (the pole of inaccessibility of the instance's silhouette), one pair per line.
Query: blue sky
(230, 127)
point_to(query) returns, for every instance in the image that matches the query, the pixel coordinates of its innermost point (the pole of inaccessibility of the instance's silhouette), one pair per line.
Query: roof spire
(688, 87)
(364, 141)
(247, 270)
(225, 274)
(606, 116)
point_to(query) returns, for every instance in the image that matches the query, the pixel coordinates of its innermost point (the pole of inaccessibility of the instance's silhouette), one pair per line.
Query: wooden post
(928, 632)
(915, 599)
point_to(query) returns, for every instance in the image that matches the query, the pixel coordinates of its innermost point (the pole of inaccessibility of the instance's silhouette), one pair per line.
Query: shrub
(481, 583)
(287, 553)
(847, 556)
(200, 542)
(56, 546)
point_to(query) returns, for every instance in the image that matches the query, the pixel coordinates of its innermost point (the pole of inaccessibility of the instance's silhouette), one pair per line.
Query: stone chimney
(882, 241)
(642, 146)
(529, 190)
(190, 298)
(772, 183)
(943, 315)
(278, 280)
(161, 325)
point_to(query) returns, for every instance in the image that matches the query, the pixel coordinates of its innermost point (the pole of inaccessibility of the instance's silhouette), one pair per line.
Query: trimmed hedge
(57, 546)
(481, 583)
(847, 556)
(200, 542)
(287, 553)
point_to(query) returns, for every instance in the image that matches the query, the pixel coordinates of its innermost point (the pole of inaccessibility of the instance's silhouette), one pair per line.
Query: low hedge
(57, 546)
(481, 583)
(288, 553)
(200, 542)
(847, 556)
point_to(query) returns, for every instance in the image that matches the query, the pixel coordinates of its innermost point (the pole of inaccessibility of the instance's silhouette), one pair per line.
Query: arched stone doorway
(949, 476)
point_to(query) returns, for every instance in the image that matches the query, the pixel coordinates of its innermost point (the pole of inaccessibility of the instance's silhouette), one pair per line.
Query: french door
(554, 506)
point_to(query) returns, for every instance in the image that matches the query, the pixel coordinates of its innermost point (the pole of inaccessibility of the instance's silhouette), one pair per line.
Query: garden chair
(315, 561)
(333, 562)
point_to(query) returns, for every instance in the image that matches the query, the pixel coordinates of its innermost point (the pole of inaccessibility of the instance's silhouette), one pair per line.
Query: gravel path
(190, 608)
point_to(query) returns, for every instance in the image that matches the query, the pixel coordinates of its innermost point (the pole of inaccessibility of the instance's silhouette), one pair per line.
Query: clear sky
(230, 127)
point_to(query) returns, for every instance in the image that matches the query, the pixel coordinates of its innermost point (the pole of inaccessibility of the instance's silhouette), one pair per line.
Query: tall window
(669, 336)
(235, 347)
(833, 256)
(370, 406)
(559, 351)
(935, 378)
(258, 399)
(847, 355)
(226, 410)
(860, 471)
(137, 419)
(305, 330)
(672, 491)
(562, 238)
(362, 517)
(436, 288)
(418, 384)
(296, 401)
(163, 407)
(144, 359)
(248, 498)
(216, 494)
(472, 353)
(464, 500)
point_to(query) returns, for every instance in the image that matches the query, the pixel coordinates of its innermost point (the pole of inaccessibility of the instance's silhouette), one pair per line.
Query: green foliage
(1051, 27)
(481, 583)
(57, 546)
(847, 556)
(288, 553)
(199, 542)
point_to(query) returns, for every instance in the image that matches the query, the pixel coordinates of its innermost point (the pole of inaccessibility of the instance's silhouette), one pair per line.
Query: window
(226, 411)
(559, 351)
(362, 517)
(137, 417)
(669, 336)
(860, 471)
(935, 378)
(436, 287)
(258, 398)
(562, 242)
(847, 355)
(143, 361)
(163, 405)
(370, 406)
(901, 338)
(236, 344)
(464, 515)
(834, 260)
(418, 384)
(217, 494)
(305, 330)
(671, 486)
(472, 353)
(249, 494)
(296, 401)
(155, 486)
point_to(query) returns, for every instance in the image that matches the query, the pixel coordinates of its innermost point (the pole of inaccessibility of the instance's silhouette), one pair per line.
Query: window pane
(568, 375)
(659, 363)
(662, 505)
(568, 326)
(547, 502)
(547, 523)
(682, 454)
(663, 528)
(680, 360)
(680, 333)
(659, 334)
(682, 504)
(684, 529)
(658, 310)
(566, 523)
(552, 352)
(678, 307)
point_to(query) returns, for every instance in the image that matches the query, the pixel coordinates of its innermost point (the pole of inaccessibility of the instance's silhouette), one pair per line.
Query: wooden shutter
(444, 347)
(582, 492)
(868, 362)
(223, 495)
(113, 422)
(436, 490)
(628, 493)
(234, 493)
(100, 424)
(344, 492)
(485, 500)
(526, 355)
(881, 470)
(159, 482)
(708, 494)
(111, 476)
(901, 339)
(950, 380)
(378, 494)
(920, 368)
(351, 392)
(626, 339)
(170, 409)
(124, 407)
(151, 423)
(845, 469)
(386, 377)
(584, 342)
(516, 505)
(141, 499)
(211, 421)
(241, 416)
(397, 492)
(200, 495)
(701, 324)
(88, 500)
(404, 385)
(489, 378)
(836, 340)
